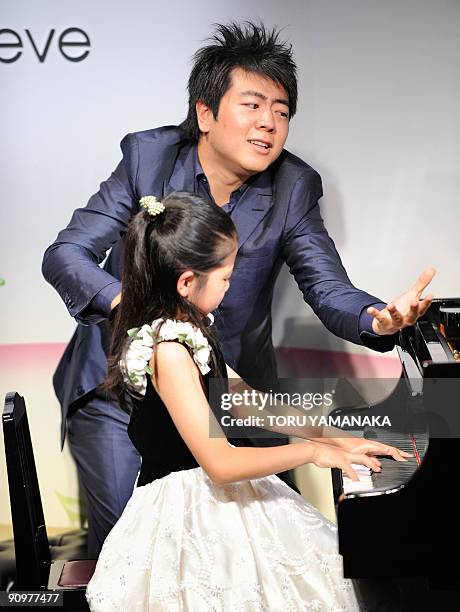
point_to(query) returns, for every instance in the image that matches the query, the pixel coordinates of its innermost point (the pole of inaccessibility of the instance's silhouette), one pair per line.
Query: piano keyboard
(394, 473)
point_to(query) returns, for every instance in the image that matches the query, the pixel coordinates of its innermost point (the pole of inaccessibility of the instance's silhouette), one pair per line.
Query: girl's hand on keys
(332, 457)
(368, 447)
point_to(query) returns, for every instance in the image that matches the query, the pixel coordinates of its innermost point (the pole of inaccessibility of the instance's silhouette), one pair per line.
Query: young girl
(209, 526)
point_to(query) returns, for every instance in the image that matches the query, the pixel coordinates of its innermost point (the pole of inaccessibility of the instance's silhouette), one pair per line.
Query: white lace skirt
(185, 543)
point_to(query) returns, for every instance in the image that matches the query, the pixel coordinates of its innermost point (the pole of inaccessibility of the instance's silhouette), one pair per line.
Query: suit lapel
(253, 206)
(183, 174)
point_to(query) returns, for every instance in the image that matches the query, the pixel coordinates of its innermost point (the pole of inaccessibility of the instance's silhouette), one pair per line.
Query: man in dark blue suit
(242, 94)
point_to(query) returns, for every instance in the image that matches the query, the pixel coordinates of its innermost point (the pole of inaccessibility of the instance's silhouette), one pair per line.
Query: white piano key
(363, 484)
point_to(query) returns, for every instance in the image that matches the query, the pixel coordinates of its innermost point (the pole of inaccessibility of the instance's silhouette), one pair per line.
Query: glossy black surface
(407, 525)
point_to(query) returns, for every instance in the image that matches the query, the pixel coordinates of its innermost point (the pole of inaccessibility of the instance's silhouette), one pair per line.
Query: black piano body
(412, 529)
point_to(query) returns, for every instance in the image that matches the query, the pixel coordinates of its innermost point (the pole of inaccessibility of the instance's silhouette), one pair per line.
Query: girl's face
(207, 292)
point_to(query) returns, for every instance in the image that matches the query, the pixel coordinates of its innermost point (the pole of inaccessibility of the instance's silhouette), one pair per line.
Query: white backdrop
(377, 117)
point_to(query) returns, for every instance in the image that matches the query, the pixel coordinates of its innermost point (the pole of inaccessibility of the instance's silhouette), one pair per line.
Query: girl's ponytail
(191, 234)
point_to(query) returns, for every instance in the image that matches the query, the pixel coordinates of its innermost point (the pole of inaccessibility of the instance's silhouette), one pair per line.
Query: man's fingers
(417, 308)
(392, 319)
(412, 315)
(425, 304)
(379, 315)
(423, 280)
(373, 312)
(396, 317)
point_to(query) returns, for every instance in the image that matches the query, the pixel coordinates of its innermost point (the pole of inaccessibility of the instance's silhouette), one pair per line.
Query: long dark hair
(249, 46)
(191, 234)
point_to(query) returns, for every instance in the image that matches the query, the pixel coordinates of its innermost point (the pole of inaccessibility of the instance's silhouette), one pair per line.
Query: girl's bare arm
(177, 381)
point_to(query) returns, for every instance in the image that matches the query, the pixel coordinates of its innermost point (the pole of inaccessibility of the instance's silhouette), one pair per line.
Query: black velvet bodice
(153, 433)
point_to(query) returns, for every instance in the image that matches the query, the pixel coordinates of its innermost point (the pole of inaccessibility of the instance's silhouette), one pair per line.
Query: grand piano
(403, 523)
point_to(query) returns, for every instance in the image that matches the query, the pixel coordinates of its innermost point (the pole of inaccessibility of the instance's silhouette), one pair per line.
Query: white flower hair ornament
(135, 365)
(152, 205)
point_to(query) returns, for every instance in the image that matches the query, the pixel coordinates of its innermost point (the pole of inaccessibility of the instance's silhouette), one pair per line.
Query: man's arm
(71, 263)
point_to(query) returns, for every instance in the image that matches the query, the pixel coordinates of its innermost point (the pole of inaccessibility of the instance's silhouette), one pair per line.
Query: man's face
(253, 110)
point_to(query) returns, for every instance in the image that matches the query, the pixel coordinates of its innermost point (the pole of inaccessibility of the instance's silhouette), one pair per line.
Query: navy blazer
(278, 220)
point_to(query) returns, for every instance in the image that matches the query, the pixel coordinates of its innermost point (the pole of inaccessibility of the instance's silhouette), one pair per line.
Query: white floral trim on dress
(135, 365)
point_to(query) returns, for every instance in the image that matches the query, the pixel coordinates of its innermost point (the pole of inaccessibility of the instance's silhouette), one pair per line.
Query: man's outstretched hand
(405, 309)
